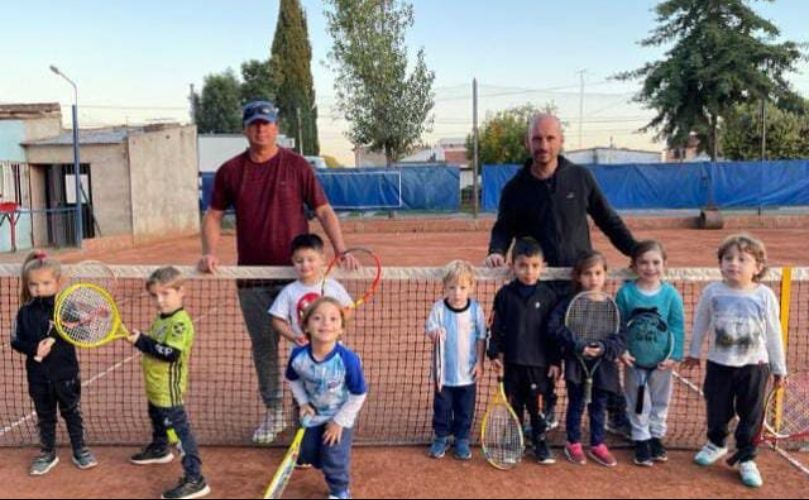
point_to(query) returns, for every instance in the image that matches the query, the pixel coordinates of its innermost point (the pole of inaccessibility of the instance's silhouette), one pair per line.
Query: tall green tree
(257, 82)
(502, 136)
(218, 108)
(388, 108)
(290, 67)
(722, 54)
(787, 133)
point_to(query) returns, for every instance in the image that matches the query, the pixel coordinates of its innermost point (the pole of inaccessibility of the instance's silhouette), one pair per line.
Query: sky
(134, 61)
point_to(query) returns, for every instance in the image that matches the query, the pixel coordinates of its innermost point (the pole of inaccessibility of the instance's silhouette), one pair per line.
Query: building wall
(110, 182)
(612, 156)
(165, 185)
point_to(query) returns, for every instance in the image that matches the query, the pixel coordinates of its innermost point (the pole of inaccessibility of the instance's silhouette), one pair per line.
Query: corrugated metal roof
(99, 136)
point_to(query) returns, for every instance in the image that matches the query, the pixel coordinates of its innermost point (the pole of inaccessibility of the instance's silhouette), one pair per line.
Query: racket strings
(503, 441)
(789, 415)
(592, 320)
(85, 316)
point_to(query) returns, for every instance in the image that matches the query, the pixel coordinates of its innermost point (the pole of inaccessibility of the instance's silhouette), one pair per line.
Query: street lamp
(76, 166)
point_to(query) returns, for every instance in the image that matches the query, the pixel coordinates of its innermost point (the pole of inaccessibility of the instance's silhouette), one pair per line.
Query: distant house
(450, 151)
(131, 178)
(612, 156)
(689, 153)
(216, 149)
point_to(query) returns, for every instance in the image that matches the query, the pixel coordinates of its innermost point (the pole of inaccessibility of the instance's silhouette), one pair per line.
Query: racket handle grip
(588, 392)
(641, 397)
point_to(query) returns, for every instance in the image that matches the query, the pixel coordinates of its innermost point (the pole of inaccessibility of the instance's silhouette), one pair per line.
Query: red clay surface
(400, 473)
(404, 472)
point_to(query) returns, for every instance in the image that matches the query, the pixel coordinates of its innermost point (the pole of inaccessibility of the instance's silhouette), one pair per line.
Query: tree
(502, 135)
(218, 110)
(292, 75)
(257, 82)
(387, 108)
(787, 134)
(723, 56)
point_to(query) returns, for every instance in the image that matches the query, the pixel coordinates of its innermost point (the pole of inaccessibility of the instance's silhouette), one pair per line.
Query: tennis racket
(650, 342)
(786, 415)
(592, 317)
(438, 353)
(284, 473)
(86, 316)
(94, 272)
(501, 434)
(370, 269)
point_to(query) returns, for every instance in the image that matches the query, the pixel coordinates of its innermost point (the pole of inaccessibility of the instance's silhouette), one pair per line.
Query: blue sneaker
(751, 477)
(340, 495)
(462, 451)
(439, 447)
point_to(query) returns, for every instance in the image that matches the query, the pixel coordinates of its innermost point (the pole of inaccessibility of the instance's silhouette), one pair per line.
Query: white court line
(5, 430)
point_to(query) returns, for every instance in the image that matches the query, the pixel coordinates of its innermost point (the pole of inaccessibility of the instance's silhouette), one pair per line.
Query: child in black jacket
(51, 364)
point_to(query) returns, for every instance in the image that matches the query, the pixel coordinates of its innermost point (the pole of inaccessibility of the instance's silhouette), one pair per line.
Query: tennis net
(388, 333)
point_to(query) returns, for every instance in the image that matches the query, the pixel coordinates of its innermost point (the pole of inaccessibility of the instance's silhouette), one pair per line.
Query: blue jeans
(453, 411)
(176, 418)
(575, 412)
(334, 461)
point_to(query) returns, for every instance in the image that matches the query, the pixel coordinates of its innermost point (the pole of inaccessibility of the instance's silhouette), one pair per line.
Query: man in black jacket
(549, 200)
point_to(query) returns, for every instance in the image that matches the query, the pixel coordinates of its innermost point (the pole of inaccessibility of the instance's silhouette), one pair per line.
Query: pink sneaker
(575, 453)
(602, 455)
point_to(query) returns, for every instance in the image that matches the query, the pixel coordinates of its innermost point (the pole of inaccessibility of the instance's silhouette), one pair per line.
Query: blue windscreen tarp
(683, 185)
(411, 187)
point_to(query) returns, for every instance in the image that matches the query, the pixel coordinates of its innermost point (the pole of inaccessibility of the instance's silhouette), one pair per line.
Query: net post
(785, 299)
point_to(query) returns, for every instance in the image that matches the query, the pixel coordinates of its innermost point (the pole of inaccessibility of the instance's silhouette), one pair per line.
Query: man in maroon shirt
(268, 187)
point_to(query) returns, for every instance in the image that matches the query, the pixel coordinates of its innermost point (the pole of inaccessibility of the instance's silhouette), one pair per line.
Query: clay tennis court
(398, 471)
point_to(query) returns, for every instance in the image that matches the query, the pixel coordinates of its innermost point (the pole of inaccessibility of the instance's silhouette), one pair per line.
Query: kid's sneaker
(751, 477)
(709, 455)
(575, 453)
(602, 455)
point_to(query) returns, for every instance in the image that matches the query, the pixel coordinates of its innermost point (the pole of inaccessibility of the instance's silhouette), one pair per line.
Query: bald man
(549, 200)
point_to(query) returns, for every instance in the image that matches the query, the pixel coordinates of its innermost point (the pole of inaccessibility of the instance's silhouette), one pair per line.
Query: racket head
(787, 411)
(649, 339)
(86, 316)
(95, 272)
(284, 472)
(369, 273)
(592, 317)
(501, 438)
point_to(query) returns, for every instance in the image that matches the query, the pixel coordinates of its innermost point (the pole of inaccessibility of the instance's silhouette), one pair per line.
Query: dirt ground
(403, 472)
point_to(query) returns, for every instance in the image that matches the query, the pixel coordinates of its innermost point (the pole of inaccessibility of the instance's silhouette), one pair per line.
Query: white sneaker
(270, 427)
(709, 455)
(751, 477)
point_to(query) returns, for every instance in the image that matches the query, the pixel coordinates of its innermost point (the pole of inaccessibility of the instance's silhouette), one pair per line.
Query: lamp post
(76, 165)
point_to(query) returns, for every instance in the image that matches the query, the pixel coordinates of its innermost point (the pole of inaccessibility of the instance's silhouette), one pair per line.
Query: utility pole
(300, 130)
(475, 159)
(581, 107)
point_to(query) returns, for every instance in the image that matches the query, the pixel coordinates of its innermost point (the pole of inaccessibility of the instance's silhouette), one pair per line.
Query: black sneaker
(658, 451)
(643, 454)
(187, 488)
(152, 455)
(543, 453)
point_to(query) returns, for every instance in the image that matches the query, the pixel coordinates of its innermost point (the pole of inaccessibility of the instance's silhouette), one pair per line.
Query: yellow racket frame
(117, 331)
(276, 487)
(499, 399)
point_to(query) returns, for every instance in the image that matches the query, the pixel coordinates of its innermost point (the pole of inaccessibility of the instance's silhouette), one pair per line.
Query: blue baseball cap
(259, 110)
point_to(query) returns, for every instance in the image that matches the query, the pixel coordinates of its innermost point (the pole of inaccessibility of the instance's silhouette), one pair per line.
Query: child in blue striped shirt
(458, 320)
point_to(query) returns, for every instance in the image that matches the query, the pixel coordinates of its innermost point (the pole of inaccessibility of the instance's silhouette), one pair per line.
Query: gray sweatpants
(255, 302)
(652, 422)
